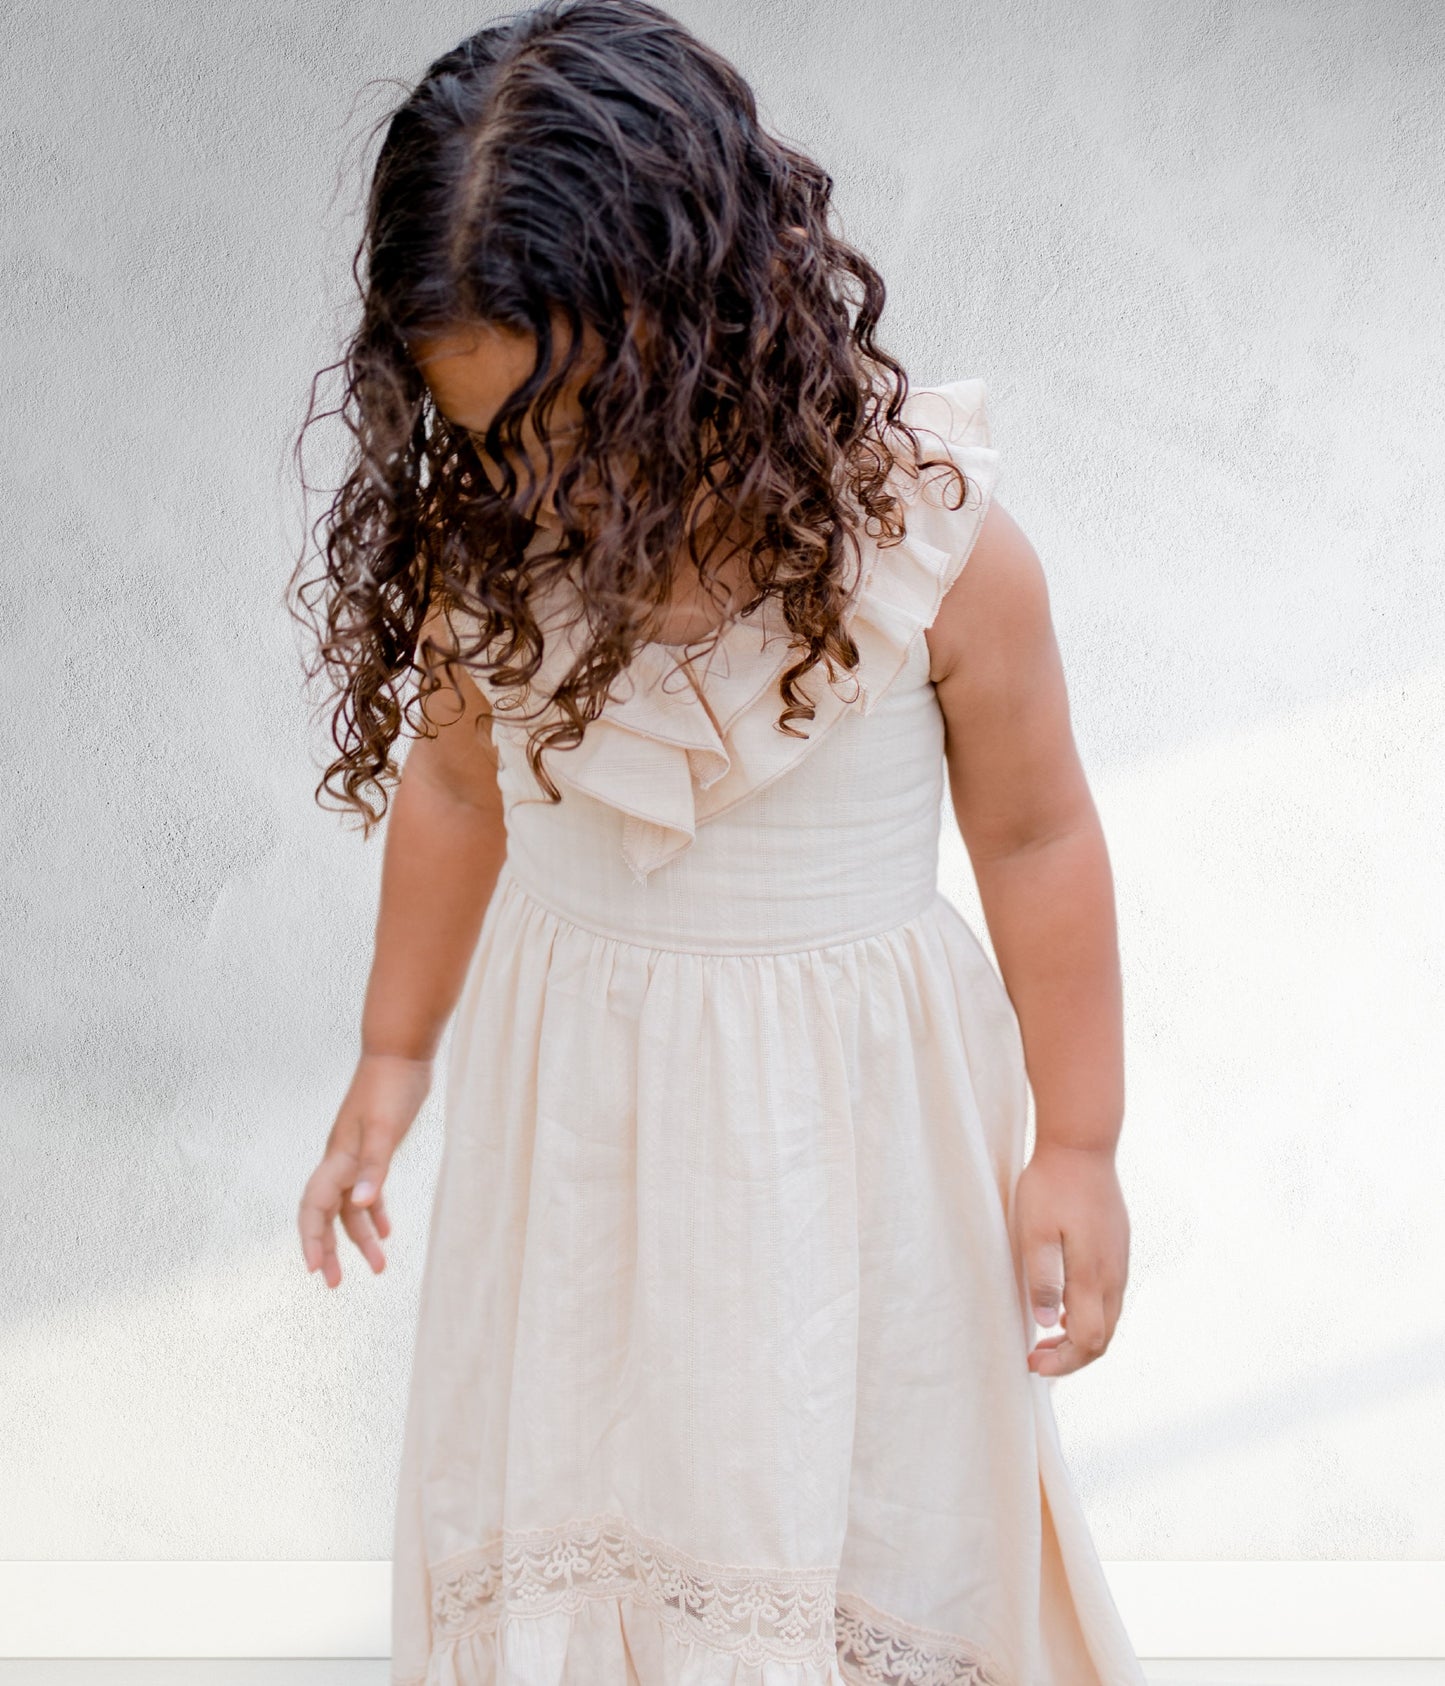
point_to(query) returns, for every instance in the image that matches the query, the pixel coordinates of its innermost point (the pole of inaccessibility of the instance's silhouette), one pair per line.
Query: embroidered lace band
(755, 1615)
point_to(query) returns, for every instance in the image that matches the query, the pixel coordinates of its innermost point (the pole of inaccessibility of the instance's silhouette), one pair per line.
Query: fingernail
(1045, 1316)
(362, 1191)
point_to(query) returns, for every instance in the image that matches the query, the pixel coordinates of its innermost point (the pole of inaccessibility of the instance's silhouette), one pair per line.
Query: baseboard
(226, 1609)
(1271, 1609)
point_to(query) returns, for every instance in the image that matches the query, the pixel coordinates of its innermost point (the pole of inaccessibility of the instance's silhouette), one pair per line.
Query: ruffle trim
(685, 741)
(597, 1601)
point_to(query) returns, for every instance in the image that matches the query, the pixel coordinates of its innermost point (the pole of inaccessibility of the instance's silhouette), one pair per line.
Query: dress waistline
(515, 881)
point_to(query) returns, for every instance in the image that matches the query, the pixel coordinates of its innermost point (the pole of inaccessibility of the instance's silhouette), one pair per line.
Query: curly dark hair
(591, 166)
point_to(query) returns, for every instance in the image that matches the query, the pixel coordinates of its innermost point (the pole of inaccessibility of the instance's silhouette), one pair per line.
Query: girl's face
(470, 371)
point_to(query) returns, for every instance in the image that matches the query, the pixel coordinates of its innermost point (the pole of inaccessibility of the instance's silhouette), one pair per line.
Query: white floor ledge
(1268, 1618)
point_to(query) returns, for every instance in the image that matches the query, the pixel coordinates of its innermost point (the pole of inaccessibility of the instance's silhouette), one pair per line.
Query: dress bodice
(688, 820)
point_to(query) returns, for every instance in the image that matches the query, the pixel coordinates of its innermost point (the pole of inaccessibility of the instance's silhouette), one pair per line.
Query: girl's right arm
(445, 843)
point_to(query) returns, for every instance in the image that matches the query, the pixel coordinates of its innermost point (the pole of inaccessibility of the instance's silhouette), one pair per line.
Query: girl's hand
(1072, 1231)
(385, 1096)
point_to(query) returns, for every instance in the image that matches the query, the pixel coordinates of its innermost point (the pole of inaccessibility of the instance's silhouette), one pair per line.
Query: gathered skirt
(720, 1371)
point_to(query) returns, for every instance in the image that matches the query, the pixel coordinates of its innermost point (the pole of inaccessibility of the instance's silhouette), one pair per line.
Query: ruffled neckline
(683, 739)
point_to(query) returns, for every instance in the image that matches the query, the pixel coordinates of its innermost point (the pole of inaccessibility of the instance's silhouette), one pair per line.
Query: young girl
(724, 1372)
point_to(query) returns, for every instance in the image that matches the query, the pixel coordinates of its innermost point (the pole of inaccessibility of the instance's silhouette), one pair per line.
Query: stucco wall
(1195, 252)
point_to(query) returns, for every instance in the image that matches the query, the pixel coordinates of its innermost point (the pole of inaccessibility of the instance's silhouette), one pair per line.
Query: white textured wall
(1195, 252)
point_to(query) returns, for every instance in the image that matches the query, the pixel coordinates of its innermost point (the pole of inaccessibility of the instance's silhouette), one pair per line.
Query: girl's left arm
(1037, 849)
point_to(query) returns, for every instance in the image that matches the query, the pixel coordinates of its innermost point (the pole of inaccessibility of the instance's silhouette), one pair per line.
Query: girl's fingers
(366, 1185)
(1056, 1356)
(319, 1250)
(346, 1186)
(1044, 1273)
(319, 1245)
(1087, 1323)
(1046, 1357)
(1085, 1337)
(311, 1222)
(320, 1202)
(357, 1223)
(1062, 1365)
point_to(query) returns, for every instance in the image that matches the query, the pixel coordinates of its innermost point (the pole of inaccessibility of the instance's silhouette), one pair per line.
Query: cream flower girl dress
(719, 1375)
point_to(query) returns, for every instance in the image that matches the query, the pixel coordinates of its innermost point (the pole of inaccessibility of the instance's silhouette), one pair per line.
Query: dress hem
(861, 1645)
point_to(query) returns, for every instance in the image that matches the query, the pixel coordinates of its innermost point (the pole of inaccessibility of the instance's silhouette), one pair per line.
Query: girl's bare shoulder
(1014, 768)
(995, 617)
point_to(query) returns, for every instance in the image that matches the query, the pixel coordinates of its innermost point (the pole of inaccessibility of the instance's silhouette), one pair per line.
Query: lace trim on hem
(755, 1615)
(876, 1649)
(534, 1572)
